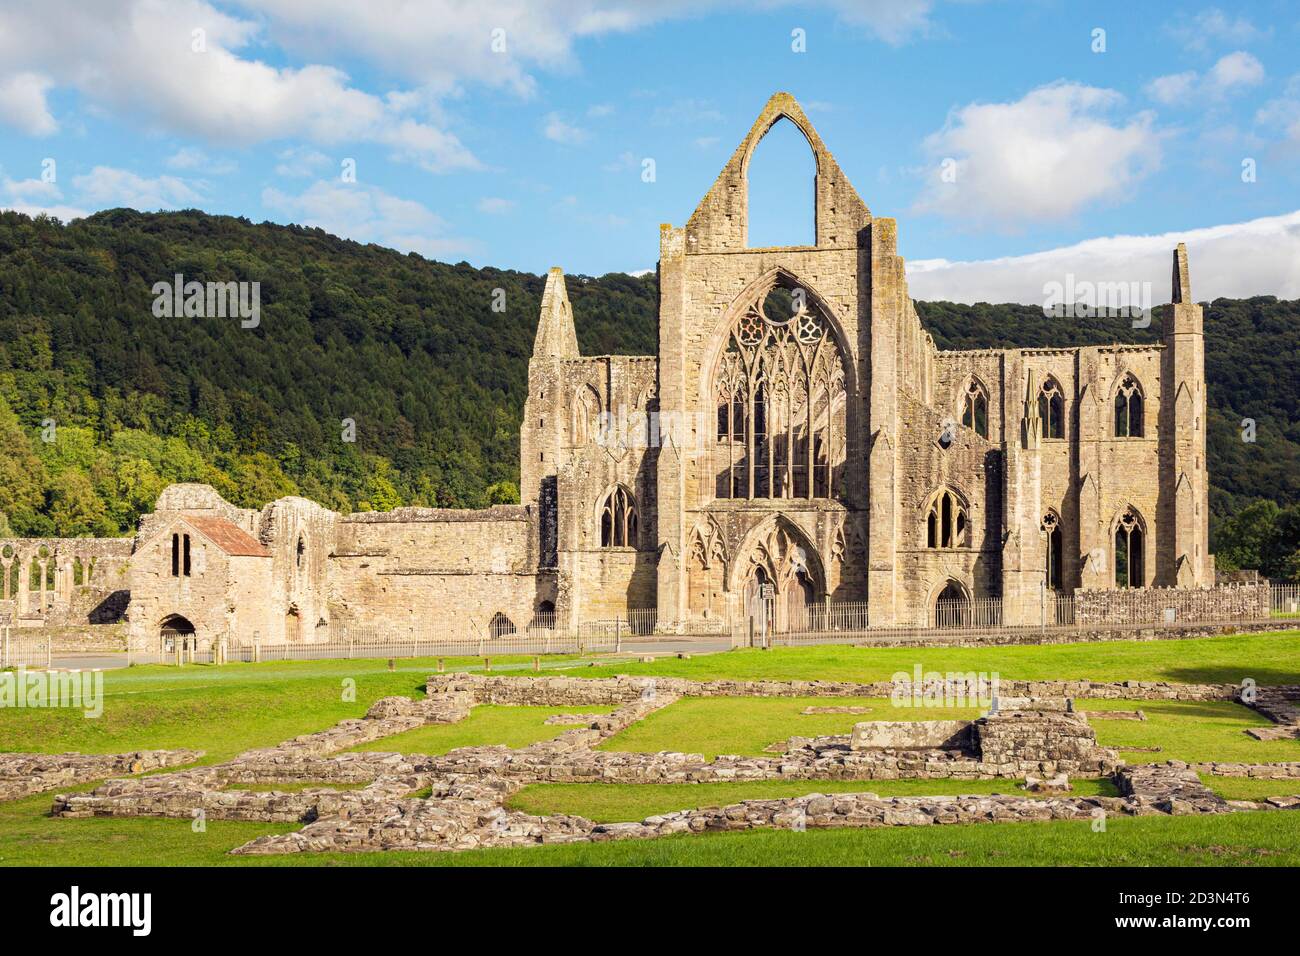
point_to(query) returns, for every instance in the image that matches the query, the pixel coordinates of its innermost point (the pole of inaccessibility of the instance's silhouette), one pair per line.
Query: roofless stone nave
(798, 429)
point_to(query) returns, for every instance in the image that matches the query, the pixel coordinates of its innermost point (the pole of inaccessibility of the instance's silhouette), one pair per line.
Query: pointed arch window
(1130, 539)
(779, 393)
(947, 522)
(618, 519)
(1128, 409)
(1055, 551)
(975, 408)
(1051, 408)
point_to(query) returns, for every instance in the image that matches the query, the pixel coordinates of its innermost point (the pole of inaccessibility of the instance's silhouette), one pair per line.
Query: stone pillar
(1182, 539)
(1095, 567)
(671, 470)
(1023, 555)
(881, 325)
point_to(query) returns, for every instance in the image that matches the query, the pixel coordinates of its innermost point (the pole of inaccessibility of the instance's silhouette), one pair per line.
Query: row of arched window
(947, 525)
(1129, 420)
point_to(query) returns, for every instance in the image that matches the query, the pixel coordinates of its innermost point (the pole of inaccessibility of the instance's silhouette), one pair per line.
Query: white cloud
(23, 105)
(1172, 89)
(368, 214)
(300, 161)
(1258, 257)
(1213, 26)
(106, 186)
(1282, 115)
(193, 159)
(557, 129)
(1230, 74)
(600, 110)
(1043, 157)
(35, 197)
(1234, 71)
(139, 57)
(495, 205)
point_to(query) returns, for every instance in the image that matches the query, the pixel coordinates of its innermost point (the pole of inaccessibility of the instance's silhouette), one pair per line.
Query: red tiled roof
(228, 537)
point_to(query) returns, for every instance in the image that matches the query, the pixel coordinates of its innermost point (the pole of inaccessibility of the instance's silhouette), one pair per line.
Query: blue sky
(534, 155)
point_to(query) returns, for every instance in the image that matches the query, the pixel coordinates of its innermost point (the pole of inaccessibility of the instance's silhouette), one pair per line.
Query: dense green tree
(376, 379)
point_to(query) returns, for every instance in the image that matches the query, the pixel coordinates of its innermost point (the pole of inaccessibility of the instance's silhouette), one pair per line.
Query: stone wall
(579, 691)
(63, 581)
(1246, 602)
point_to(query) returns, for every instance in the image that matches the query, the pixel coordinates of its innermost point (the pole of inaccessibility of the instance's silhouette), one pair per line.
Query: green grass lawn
(1268, 658)
(225, 710)
(615, 803)
(486, 724)
(1187, 730)
(221, 710)
(746, 725)
(1251, 788)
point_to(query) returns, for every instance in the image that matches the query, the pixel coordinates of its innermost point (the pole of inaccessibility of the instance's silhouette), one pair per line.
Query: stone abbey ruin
(798, 441)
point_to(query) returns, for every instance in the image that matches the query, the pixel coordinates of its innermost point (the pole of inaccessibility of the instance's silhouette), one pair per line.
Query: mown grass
(221, 710)
(617, 803)
(486, 724)
(1251, 788)
(747, 725)
(224, 710)
(1188, 730)
(1272, 658)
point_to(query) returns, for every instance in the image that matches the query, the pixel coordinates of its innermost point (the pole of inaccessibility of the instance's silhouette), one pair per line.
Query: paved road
(656, 648)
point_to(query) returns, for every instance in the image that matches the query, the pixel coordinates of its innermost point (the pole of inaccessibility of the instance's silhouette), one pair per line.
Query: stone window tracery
(618, 519)
(1051, 408)
(946, 521)
(778, 390)
(1055, 550)
(1128, 409)
(1130, 538)
(975, 408)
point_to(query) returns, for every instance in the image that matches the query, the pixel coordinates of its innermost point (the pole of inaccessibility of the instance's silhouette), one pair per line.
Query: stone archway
(952, 605)
(175, 632)
(780, 568)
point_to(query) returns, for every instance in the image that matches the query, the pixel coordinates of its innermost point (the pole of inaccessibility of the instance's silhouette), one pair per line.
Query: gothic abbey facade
(798, 439)
(800, 435)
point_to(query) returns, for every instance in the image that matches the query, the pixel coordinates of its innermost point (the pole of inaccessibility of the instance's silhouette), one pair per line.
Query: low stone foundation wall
(1262, 771)
(912, 735)
(594, 691)
(23, 774)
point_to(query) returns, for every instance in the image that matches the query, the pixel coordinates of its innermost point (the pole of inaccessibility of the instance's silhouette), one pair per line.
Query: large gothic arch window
(947, 521)
(1130, 551)
(1055, 551)
(975, 407)
(1128, 409)
(1051, 408)
(778, 390)
(618, 519)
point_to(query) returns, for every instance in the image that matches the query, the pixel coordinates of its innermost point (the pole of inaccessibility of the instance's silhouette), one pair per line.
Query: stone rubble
(24, 774)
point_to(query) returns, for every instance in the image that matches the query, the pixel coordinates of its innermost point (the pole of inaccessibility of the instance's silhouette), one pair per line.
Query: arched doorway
(799, 597)
(176, 632)
(952, 606)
